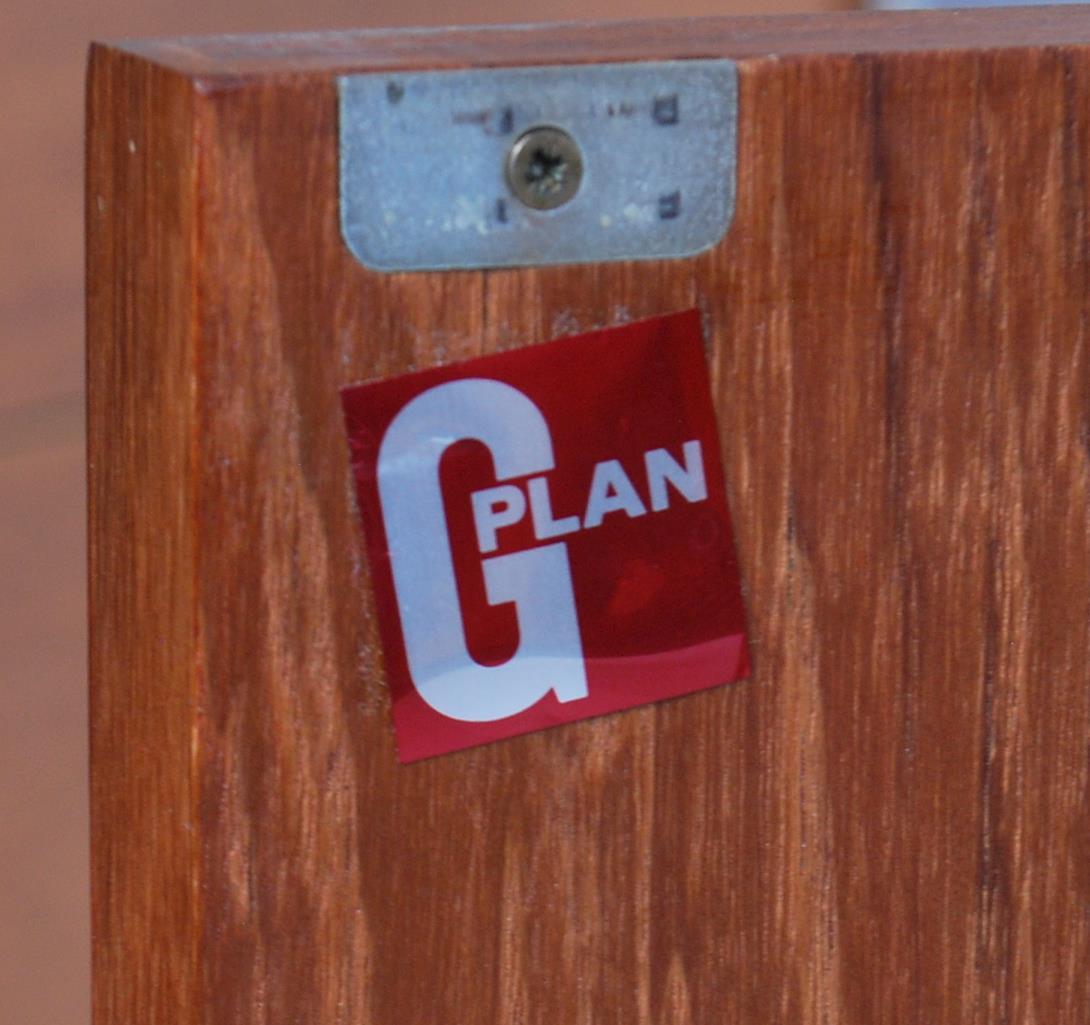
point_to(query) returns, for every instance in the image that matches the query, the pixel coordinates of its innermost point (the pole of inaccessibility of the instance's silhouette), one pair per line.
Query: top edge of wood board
(842, 33)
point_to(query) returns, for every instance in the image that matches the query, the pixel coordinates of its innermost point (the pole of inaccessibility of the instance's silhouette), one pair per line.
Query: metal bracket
(430, 164)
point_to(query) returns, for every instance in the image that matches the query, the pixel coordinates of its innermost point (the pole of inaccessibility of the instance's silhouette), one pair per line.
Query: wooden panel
(861, 32)
(42, 56)
(887, 823)
(44, 921)
(145, 737)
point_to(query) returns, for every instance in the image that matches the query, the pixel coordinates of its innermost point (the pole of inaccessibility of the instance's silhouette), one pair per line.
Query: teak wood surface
(888, 823)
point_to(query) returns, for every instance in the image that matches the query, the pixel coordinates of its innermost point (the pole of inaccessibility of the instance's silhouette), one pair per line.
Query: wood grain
(147, 909)
(44, 895)
(887, 823)
(849, 32)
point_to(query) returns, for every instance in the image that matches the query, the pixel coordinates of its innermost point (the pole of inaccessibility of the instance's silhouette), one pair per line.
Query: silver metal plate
(422, 160)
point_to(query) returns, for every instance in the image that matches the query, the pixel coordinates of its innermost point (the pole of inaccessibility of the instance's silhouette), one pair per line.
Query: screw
(544, 168)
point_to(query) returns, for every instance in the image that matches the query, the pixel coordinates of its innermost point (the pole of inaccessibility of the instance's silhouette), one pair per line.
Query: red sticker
(548, 534)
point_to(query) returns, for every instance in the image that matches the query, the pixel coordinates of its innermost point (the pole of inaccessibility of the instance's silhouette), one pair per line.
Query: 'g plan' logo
(549, 534)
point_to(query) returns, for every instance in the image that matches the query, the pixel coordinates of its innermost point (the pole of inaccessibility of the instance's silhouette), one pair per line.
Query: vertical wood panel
(888, 821)
(146, 880)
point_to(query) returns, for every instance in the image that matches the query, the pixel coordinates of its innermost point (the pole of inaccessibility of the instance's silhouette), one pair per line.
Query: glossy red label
(548, 534)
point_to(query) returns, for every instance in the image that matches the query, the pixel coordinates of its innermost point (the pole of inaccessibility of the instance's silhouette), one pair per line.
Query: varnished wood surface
(857, 32)
(887, 823)
(147, 905)
(44, 891)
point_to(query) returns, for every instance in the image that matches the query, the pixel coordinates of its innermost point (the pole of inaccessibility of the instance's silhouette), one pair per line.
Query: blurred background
(44, 934)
